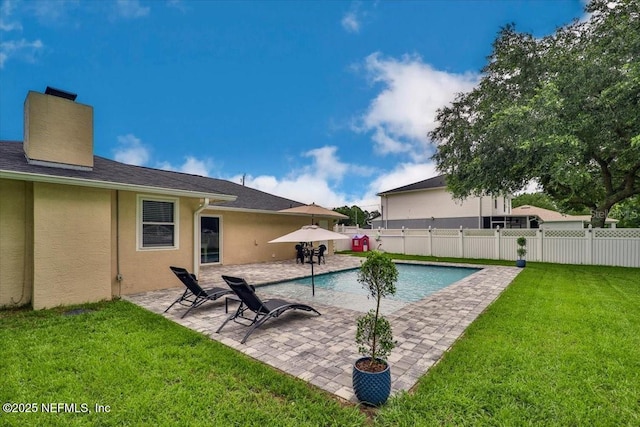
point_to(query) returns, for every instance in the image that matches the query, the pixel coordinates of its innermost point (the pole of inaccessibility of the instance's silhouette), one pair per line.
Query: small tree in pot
(371, 373)
(521, 251)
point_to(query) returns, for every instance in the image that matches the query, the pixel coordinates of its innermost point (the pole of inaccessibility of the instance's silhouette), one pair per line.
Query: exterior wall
(495, 206)
(245, 236)
(58, 130)
(72, 245)
(66, 245)
(466, 222)
(147, 269)
(437, 209)
(563, 225)
(435, 203)
(16, 224)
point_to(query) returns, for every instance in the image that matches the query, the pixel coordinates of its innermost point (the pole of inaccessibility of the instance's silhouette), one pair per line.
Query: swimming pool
(342, 288)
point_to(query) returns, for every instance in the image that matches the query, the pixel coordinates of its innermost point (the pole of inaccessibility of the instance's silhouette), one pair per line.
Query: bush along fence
(606, 246)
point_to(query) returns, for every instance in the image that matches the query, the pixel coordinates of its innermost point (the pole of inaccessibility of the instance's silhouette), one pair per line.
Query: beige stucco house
(75, 227)
(427, 204)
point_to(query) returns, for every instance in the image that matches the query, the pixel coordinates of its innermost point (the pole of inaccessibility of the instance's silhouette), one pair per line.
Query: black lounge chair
(194, 296)
(264, 310)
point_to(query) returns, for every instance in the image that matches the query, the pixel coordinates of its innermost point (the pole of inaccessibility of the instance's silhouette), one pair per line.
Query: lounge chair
(263, 310)
(194, 296)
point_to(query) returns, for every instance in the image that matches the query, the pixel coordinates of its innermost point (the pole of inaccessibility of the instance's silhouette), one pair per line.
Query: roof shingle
(435, 182)
(12, 159)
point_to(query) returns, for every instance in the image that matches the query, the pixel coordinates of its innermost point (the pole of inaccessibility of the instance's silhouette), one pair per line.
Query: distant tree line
(357, 216)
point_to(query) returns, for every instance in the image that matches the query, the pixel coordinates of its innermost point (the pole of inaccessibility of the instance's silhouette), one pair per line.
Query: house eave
(388, 193)
(249, 210)
(108, 185)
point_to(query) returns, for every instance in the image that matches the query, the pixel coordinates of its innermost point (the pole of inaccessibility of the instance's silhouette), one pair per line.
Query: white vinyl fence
(607, 246)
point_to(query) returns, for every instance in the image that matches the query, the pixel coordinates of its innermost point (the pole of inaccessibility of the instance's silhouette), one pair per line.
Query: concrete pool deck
(321, 349)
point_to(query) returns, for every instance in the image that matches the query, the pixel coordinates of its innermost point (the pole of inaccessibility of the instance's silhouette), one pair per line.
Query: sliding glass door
(209, 239)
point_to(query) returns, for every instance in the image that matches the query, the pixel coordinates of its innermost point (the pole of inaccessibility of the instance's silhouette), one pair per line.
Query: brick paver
(322, 349)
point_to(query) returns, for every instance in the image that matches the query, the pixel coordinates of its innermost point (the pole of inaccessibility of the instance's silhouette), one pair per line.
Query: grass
(149, 370)
(561, 346)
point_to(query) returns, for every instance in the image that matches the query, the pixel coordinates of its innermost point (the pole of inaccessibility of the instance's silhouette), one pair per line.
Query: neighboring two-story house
(427, 204)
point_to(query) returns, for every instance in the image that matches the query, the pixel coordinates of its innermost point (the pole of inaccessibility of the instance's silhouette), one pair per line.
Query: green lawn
(149, 370)
(561, 346)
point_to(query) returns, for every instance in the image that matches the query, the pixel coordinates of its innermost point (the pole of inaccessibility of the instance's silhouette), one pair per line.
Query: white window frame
(176, 221)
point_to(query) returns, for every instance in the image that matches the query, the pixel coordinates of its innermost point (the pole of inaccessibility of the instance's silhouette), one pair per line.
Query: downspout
(480, 213)
(118, 273)
(196, 237)
(385, 214)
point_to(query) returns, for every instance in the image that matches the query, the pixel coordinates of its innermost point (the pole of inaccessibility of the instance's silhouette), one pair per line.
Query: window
(158, 223)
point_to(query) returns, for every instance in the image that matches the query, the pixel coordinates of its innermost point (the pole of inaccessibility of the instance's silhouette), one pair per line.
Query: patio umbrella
(314, 211)
(309, 233)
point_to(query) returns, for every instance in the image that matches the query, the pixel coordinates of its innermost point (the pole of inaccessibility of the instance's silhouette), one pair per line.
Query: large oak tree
(563, 110)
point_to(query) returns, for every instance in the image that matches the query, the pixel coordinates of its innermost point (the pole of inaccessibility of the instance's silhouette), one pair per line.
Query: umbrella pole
(313, 284)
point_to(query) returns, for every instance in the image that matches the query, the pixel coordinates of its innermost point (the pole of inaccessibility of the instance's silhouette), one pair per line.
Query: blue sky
(327, 102)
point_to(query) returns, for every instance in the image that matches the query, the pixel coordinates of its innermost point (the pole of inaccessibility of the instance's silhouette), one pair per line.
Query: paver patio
(322, 349)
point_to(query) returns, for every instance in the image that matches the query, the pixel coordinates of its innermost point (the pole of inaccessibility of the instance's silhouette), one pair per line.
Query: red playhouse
(360, 243)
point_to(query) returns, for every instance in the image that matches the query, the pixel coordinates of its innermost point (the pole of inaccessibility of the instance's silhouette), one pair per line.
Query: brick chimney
(58, 132)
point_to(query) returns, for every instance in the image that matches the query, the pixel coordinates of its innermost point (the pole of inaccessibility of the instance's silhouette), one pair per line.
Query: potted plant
(371, 373)
(522, 251)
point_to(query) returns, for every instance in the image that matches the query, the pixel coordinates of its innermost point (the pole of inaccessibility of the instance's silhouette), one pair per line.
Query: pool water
(343, 289)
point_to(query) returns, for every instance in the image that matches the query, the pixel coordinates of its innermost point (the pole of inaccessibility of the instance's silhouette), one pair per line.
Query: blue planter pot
(521, 263)
(371, 388)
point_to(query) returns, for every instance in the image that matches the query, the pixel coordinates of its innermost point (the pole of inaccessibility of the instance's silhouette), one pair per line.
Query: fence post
(461, 243)
(589, 245)
(497, 243)
(378, 239)
(404, 246)
(540, 245)
(430, 251)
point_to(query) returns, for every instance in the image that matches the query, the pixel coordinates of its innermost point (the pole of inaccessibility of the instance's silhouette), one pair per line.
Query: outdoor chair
(194, 296)
(299, 254)
(258, 311)
(321, 251)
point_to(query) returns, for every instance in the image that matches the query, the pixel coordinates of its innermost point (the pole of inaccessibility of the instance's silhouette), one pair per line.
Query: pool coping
(321, 349)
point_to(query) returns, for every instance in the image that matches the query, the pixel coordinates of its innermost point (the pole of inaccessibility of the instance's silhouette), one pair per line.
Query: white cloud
(403, 174)
(328, 166)
(191, 166)
(316, 182)
(6, 10)
(22, 49)
(131, 9)
(196, 167)
(9, 26)
(305, 188)
(350, 22)
(177, 4)
(131, 150)
(404, 111)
